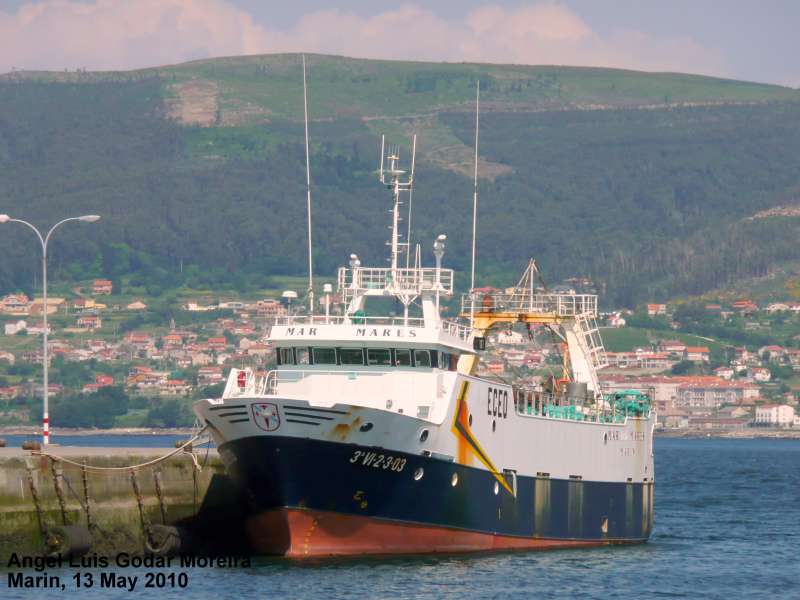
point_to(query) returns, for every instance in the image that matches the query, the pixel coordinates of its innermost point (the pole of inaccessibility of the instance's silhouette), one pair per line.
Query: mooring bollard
(31, 445)
(168, 540)
(69, 540)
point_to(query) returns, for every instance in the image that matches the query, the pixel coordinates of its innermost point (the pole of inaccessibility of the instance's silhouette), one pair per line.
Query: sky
(755, 40)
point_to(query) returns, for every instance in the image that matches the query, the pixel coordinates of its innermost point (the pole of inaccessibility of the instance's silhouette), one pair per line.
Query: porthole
(496, 488)
(423, 436)
(494, 425)
(470, 420)
(365, 427)
(419, 473)
(454, 480)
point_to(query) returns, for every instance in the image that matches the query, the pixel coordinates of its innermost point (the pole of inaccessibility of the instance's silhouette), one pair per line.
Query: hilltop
(250, 89)
(642, 181)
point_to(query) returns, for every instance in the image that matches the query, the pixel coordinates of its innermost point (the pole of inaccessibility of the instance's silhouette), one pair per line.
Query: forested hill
(642, 181)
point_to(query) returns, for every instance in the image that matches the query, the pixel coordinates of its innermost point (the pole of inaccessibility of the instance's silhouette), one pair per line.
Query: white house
(778, 307)
(15, 304)
(776, 415)
(136, 305)
(38, 328)
(760, 374)
(616, 320)
(697, 353)
(724, 372)
(14, 328)
(195, 307)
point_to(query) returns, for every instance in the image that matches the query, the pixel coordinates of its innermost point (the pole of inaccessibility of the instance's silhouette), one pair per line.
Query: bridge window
(448, 362)
(302, 355)
(324, 356)
(378, 357)
(422, 358)
(285, 356)
(402, 358)
(351, 356)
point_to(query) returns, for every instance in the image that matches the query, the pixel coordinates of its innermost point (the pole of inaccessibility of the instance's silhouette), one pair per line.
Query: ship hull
(299, 533)
(320, 498)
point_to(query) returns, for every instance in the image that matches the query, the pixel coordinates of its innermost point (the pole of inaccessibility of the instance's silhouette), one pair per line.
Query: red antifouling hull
(301, 533)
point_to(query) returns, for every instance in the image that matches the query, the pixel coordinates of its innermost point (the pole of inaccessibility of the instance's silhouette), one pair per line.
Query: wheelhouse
(353, 356)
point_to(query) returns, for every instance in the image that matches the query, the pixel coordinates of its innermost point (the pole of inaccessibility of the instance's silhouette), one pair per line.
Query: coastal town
(157, 359)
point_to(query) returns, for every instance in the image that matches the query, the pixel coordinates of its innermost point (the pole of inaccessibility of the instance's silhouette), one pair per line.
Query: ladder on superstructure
(591, 340)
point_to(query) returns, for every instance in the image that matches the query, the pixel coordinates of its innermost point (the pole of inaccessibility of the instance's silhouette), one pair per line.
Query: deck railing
(562, 305)
(534, 402)
(399, 281)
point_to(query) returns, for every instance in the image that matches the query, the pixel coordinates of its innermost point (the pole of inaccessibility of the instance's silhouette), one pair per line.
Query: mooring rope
(149, 463)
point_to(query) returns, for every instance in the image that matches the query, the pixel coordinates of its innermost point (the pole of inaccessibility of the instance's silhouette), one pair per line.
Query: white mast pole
(308, 195)
(475, 199)
(410, 200)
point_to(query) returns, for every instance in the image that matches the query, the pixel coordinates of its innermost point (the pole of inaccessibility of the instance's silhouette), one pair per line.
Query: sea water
(727, 525)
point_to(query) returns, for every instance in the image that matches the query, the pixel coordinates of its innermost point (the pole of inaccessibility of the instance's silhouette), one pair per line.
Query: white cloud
(124, 34)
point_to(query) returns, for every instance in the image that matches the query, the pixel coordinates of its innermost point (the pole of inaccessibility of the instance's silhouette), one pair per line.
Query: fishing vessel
(374, 434)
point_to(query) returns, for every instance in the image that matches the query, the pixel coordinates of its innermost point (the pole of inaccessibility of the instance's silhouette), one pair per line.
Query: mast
(397, 186)
(475, 197)
(308, 196)
(393, 160)
(410, 202)
(390, 176)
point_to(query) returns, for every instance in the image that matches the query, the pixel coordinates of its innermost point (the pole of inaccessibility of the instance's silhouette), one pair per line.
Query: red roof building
(173, 340)
(217, 343)
(697, 353)
(102, 286)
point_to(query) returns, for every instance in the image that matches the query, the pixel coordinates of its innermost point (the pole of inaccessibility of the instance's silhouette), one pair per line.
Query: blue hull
(345, 479)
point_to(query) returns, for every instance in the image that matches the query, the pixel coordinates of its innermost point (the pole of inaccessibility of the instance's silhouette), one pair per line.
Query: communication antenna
(308, 195)
(410, 200)
(390, 176)
(475, 196)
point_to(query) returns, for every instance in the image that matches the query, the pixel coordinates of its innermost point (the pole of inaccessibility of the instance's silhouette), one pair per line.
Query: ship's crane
(571, 316)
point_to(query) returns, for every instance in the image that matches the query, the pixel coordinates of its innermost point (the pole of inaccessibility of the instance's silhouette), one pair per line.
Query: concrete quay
(40, 494)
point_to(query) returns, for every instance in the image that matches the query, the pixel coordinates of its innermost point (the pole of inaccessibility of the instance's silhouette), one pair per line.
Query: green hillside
(642, 181)
(251, 88)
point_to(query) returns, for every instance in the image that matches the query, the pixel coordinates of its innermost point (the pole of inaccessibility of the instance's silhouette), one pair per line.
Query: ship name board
(497, 404)
(625, 436)
(367, 332)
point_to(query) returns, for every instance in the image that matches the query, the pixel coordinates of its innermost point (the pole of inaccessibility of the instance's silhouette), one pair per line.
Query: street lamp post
(44, 240)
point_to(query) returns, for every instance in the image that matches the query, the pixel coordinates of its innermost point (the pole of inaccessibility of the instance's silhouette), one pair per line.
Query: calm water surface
(727, 526)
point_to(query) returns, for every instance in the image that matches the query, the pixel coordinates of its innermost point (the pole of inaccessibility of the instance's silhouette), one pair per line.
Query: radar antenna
(391, 176)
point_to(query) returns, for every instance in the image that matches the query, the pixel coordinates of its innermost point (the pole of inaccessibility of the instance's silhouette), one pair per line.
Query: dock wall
(113, 504)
